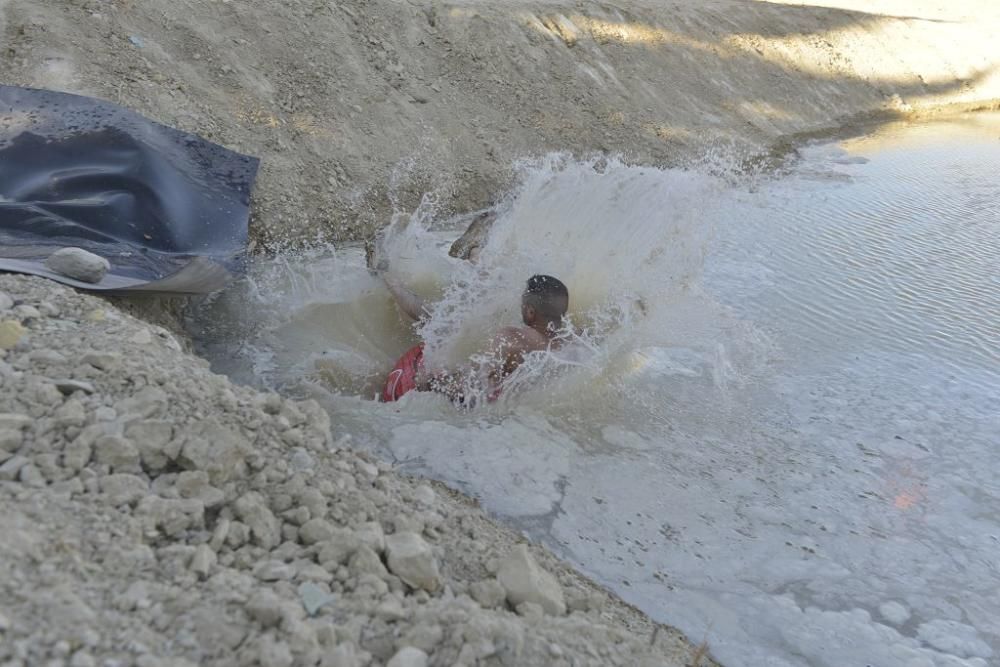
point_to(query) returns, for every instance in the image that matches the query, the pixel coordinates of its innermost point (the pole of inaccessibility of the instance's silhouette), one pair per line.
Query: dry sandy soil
(357, 105)
(157, 515)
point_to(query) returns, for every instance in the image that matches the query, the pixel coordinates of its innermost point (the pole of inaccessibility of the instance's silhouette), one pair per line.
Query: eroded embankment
(349, 102)
(156, 515)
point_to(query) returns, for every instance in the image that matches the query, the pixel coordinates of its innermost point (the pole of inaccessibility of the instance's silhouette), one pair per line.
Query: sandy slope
(349, 99)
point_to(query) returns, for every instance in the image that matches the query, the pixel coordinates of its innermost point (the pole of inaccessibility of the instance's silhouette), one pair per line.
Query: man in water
(543, 307)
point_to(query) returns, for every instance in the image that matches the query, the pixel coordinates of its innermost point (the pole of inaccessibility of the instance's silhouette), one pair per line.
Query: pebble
(316, 530)
(11, 440)
(69, 387)
(14, 421)
(526, 581)
(10, 468)
(273, 570)
(78, 264)
(408, 657)
(313, 597)
(124, 489)
(203, 560)
(6, 303)
(410, 558)
(11, 333)
(26, 312)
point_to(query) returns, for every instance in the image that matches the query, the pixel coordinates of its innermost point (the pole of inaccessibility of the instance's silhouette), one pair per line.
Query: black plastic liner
(169, 210)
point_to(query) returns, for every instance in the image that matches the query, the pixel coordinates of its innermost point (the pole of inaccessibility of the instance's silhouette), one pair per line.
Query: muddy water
(776, 423)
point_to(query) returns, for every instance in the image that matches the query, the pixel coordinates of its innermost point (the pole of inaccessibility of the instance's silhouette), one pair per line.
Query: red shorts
(403, 377)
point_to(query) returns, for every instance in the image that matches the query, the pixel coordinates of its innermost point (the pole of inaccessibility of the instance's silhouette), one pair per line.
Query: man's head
(544, 301)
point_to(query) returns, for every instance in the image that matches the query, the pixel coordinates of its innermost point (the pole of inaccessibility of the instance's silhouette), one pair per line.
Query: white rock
(203, 560)
(301, 460)
(117, 452)
(366, 561)
(410, 558)
(215, 449)
(10, 440)
(6, 303)
(488, 593)
(273, 570)
(31, 476)
(264, 526)
(313, 597)
(78, 264)
(408, 657)
(82, 659)
(14, 421)
(10, 469)
(894, 612)
(124, 489)
(316, 530)
(425, 495)
(69, 387)
(153, 440)
(265, 608)
(336, 550)
(343, 655)
(525, 581)
(371, 533)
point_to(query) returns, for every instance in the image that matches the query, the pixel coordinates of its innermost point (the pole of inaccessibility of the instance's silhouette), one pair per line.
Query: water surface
(779, 424)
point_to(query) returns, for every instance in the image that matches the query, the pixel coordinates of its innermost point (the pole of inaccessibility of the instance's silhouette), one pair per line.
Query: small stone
(215, 449)
(105, 414)
(425, 495)
(390, 610)
(6, 303)
(408, 657)
(203, 560)
(316, 530)
(11, 332)
(274, 653)
(31, 476)
(264, 526)
(117, 452)
(122, 489)
(265, 608)
(525, 581)
(78, 264)
(25, 312)
(336, 550)
(530, 610)
(410, 558)
(11, 440)
(343, 655)
(220, 534)
(69, 387)
(274, 570)
(313, 597)
(371, 533)
(47, 357)
(366, 561)
(488, 593)
(70, 413)
(153, 439)
(105, 361)
(142, 337)
(48, 309)
(301, 460)
(82, 659)
(10, 468)
(14, 421)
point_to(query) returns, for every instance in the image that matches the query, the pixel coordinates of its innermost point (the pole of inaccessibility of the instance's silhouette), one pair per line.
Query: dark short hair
(548, 296)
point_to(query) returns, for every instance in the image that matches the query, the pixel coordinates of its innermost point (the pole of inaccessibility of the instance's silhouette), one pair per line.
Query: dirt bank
(347, 100)
(156, 515)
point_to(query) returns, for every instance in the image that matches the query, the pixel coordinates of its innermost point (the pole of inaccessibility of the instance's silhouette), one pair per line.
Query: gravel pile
(156, 515)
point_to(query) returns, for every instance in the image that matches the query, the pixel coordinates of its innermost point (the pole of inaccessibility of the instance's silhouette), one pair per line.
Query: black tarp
(169, 210)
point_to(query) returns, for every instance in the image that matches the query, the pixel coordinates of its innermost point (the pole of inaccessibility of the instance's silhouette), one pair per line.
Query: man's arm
(414, 305)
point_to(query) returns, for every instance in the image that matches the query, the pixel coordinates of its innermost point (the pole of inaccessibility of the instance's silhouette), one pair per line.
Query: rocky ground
(156, 515)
